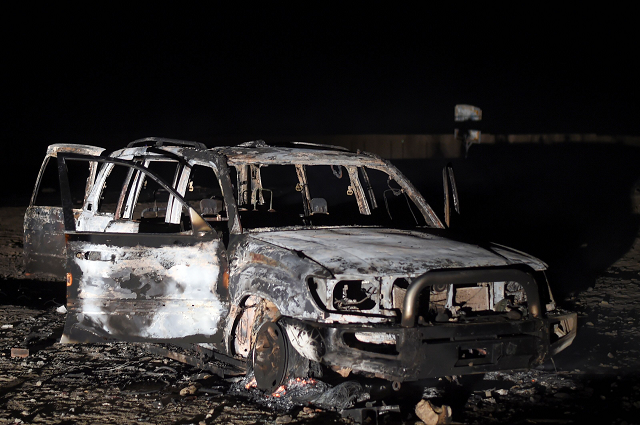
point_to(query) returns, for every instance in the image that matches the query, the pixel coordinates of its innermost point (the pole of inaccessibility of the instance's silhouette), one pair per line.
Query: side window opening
(203, 194)
(112, 188)
(127, 188)
(153, 200)
(48, 193)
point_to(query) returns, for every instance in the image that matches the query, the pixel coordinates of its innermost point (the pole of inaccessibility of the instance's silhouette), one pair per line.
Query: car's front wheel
(270, 356)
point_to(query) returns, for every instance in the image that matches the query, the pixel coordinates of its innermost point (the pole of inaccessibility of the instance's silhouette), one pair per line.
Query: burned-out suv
(288, 259)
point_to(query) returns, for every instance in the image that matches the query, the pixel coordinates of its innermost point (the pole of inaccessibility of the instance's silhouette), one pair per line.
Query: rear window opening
(48, 193)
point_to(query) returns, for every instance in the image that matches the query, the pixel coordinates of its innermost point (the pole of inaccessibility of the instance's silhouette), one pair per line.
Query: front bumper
(437, 350)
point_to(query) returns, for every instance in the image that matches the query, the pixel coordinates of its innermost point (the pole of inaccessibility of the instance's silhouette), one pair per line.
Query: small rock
(284, 419)
(6, 326)
(603, 302)
(610, 355)
(62, 310)
(190, 390)
(589, 323)
(308, 412)
(590, 289)
(20, 352)
(562, 395)
(502, 392)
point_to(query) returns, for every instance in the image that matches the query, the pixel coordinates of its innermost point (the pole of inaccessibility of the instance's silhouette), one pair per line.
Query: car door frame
(143, 287)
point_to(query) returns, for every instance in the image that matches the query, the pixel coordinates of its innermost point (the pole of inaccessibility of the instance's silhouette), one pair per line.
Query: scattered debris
(431, 414)
(190, 390)
(284, 419)
(342, 396)
(20, 352)
(368, 414)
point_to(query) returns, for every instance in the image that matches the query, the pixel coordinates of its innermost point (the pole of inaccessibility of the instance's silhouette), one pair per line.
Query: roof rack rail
(161, 141)
(313, 146)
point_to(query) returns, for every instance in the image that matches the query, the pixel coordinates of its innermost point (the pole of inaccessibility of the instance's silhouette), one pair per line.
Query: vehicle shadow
(32, 293)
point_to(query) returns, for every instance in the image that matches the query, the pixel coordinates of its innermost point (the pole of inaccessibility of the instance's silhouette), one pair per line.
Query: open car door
(44, 247)
(148, 276)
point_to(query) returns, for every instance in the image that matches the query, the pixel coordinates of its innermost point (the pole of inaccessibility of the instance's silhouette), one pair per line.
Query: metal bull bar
(446, 277)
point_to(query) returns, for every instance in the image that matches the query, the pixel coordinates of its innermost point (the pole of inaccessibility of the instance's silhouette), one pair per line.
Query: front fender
(275, 274)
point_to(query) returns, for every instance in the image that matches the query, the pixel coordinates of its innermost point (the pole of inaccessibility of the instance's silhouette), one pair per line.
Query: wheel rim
(269, 357)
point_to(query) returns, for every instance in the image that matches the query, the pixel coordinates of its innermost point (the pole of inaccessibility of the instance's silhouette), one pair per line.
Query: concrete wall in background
(416, 146)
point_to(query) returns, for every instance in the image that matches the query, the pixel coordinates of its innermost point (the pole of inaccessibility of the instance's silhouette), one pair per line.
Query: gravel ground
(597, 378)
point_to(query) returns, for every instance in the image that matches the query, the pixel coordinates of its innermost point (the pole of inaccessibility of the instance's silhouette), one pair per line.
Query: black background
(111, 74)
(105, 76)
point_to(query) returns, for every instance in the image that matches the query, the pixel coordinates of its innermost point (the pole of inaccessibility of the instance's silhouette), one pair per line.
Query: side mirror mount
(451, 200)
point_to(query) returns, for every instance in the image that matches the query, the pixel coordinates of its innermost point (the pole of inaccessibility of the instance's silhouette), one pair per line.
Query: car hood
(375, 251)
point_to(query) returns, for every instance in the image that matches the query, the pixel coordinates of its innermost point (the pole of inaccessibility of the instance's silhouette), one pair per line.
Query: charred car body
(287, 259)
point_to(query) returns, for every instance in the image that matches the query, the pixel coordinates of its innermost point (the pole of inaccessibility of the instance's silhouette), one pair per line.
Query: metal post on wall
(464, 116)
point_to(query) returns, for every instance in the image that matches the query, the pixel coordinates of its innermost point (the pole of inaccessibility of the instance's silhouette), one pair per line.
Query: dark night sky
(111, 75)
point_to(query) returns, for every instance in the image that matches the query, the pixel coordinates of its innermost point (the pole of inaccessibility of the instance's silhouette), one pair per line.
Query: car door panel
(156, 287)
(153, 287)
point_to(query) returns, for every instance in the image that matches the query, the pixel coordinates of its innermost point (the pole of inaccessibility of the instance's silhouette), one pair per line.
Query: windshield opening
(321, 195)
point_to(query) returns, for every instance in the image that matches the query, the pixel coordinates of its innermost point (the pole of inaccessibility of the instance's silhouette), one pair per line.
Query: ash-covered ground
(597, 379)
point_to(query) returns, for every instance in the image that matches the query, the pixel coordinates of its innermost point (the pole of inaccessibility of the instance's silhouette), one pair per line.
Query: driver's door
(157, 279)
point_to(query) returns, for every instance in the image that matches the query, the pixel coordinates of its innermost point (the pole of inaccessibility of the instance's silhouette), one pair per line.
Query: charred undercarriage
(286, 262)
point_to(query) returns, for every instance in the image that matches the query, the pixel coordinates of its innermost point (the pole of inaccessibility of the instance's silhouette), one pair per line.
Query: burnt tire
(270, 356)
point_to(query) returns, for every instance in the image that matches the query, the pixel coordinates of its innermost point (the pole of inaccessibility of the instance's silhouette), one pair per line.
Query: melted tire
(270, 357)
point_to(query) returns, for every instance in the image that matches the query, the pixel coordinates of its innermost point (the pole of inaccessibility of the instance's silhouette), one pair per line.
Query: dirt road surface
(597, 379)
